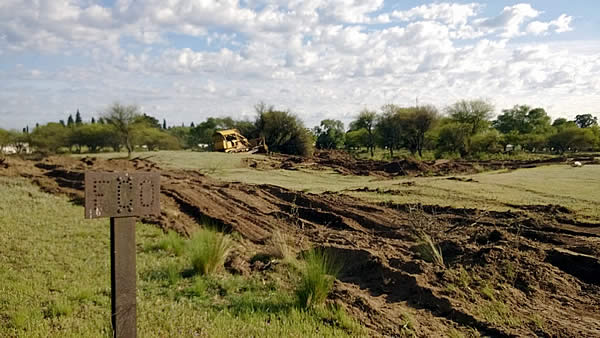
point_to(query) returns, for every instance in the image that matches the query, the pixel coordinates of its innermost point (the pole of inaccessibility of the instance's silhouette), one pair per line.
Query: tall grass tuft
(172, 243)
(208, 250)
(318, 275)
(429, 251)
(278, 245)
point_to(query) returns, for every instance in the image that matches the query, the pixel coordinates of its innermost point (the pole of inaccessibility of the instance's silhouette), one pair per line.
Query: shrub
(317, 278)
(208, 250)
(173, 243)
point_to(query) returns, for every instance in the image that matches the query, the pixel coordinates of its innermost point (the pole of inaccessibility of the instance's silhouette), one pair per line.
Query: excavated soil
(346, 164)
(533, 272)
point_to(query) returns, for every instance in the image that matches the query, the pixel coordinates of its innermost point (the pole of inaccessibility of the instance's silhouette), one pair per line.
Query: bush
(317, 278)
(284, 132)
(208, 250)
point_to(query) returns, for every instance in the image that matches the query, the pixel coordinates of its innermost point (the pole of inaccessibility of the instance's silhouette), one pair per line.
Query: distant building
(17, 148)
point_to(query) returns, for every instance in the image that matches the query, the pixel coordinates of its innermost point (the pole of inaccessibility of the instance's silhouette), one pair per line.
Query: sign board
(114, 194)
(122, 197)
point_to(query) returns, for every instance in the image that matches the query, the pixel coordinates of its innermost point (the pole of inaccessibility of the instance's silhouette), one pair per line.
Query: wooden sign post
(122, 197)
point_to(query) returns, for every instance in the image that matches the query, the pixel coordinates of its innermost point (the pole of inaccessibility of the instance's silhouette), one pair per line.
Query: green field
(55, 282)
(575, 188)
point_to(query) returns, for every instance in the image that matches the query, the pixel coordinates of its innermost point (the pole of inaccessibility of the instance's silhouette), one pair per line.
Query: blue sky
(185, 60)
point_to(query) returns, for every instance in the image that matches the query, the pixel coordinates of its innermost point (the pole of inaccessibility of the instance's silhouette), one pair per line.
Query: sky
(186, 60)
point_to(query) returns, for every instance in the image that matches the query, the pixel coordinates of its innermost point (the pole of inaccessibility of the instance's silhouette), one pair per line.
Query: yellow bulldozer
(232, 141)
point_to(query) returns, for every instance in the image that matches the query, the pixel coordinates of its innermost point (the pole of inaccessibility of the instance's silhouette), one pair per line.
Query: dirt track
(533, 272)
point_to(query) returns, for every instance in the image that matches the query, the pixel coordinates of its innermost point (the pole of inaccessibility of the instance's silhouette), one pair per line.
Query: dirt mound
(513, 273)
(346, 164)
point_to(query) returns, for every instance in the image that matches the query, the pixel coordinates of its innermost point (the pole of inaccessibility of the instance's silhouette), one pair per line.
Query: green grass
(575, 188)
(428, 250)
(173, 243)
(208, 250)
(318, 274)
(55, 282)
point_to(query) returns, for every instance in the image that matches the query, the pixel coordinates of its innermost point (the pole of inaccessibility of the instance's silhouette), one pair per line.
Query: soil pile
(532, 272)
(346, 164)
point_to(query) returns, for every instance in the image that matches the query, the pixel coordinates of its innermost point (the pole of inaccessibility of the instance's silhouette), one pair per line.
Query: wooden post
(123, 276)
(122, 197)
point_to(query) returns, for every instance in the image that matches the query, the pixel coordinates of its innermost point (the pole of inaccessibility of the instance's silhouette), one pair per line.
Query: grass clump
(58, 309)
(428, 250)
(208, 250)
(278, 245)
(317, 278)
(499, 313)
(172, 243)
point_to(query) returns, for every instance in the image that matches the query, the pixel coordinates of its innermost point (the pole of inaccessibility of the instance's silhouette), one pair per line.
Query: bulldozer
(232, 141)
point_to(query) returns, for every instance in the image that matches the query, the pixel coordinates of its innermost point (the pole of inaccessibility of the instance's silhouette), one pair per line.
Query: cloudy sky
(184, 60)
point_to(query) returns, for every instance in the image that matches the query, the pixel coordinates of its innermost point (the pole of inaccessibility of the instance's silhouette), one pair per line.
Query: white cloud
(317, 57)
(561, 24)
(449, 13)
(510, 20)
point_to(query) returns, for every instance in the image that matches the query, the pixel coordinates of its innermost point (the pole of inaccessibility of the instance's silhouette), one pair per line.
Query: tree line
(463, 129)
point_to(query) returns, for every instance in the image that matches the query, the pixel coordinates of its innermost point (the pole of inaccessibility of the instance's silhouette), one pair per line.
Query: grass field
(575, 188)
(55, 282)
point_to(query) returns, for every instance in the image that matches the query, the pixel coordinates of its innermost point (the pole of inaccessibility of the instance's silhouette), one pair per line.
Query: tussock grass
(428, 250)
(318, 275)
(207, 250)
(278, 246)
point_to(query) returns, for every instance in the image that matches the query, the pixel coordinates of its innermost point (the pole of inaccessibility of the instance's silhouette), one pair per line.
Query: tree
(283, 131)
(523, 120)
(572, 138)
(487, 142)
(183, 136)
(5, 138)
(366, 120)
(389, 128)
(50, 137)
(155, 139)
(562, 123)
(586, 120)
(356, 138)
(70, 121)
(147, 120)
(93, 120)
(78, 120)
(164, 125)
(454, 137)
(415, 122)
(475, 113)
(95, 136)
(123, 118)
(62, 122)
(330, 134)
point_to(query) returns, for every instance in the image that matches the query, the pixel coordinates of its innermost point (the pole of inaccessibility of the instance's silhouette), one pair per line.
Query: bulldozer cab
(232, 141)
